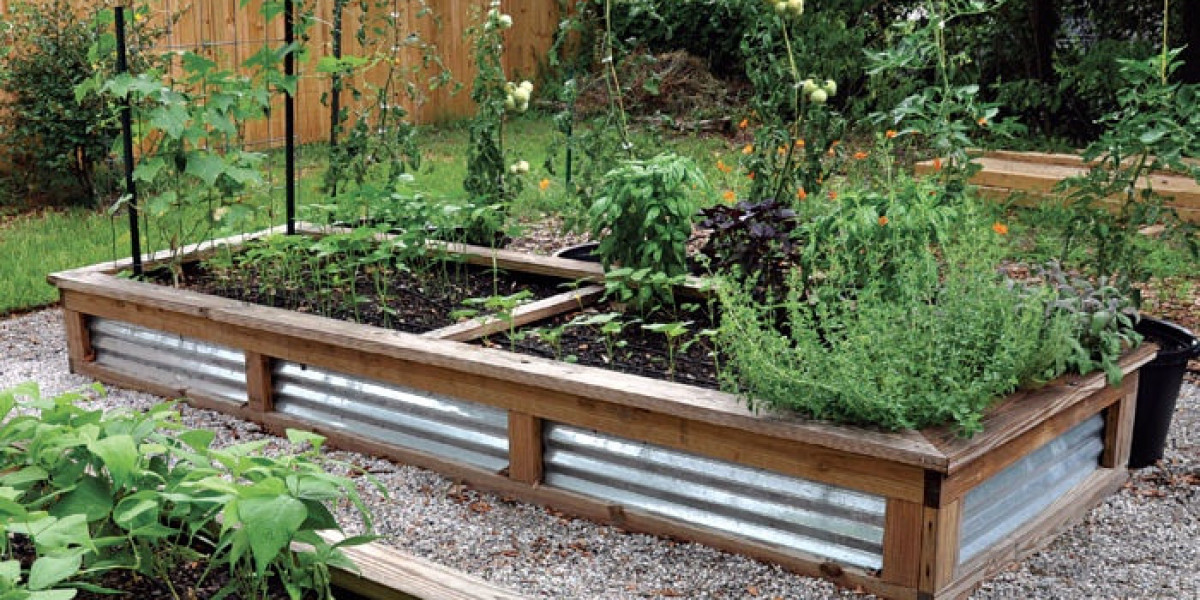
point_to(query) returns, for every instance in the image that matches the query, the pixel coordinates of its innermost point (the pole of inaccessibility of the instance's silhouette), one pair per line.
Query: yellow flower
(544, 184)
(748, 149)
(744, 124)
(729, 196)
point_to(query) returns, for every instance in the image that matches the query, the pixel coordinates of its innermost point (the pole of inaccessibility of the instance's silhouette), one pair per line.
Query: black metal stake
(289, 113)
(135, 238)
(335, 93)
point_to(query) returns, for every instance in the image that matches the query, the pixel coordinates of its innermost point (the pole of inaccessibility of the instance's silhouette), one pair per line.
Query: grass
(34, 244)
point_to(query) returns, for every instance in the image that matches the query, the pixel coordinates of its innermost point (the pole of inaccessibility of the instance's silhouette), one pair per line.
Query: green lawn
(37, 243)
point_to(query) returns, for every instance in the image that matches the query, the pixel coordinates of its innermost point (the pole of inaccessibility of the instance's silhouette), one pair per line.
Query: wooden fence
(229, 33)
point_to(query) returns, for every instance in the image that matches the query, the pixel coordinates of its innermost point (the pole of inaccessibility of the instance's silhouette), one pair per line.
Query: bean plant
(100, 491)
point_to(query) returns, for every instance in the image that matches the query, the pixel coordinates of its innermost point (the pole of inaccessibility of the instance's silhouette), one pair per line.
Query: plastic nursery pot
(1158, 388)
(585, 251)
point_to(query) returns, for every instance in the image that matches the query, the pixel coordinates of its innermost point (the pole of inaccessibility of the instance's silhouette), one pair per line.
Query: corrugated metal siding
(167, 359)
(843, 525)
(1020, 492)
(467, 432)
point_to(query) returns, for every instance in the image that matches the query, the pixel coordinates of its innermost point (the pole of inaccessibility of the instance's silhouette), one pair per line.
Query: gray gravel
(1140, 543)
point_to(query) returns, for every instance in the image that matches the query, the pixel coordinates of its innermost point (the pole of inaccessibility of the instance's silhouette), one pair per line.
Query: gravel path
(1140, 543)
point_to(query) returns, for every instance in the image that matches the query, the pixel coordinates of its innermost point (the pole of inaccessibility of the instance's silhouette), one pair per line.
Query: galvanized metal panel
(467, 432)
(1014, 496)
(843, 525)
(176, 361)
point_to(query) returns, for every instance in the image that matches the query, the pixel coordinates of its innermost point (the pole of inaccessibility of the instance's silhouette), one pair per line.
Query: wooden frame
(1029, 179)
(924, 476)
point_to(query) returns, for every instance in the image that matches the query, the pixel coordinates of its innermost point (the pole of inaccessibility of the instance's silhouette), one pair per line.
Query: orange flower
(748, 149)
(883, 220)
(937, 163)
(982, 121)
(1000, 228)
(729, 196)
(781, 150)
(744, 124)
(832, 195)
(544, 184)
(891, 133)
(800, 143)
(750, 175)
(722, 167)
(801, 194)
(860, 155)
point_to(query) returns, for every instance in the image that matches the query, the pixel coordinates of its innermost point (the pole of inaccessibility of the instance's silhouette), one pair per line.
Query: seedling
(673, 332)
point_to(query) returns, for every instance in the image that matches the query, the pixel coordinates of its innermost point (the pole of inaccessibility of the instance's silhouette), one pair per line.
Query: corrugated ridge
(173, 360)
(471, 433)
(842, 525)
(1010, 498)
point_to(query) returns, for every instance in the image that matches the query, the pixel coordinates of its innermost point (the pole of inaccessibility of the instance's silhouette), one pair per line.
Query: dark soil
(641, 351)
(186, 578)
(414, 302)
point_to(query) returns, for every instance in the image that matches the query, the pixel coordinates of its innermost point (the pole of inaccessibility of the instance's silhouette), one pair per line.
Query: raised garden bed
(1033, 175)
(905, 515)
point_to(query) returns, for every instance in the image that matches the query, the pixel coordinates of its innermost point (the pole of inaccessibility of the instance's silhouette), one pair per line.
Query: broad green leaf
(71, 530)
(205, 166)
(91, 498)
(297, 436)
(10, 571)
(120, 456)
(134, 512)
(25, 476)
(172, 119)
(50, 570)
(67, 594)
(147, 170)
(270, 523)
(198, 439)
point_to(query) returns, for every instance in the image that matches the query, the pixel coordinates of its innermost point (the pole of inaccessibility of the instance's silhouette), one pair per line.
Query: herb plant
(643, 217)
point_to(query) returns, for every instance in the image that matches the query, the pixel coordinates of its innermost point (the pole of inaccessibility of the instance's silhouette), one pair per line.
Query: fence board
(228, 33)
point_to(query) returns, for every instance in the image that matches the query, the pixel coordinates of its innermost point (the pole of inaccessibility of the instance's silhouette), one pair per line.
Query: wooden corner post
(939, 537)
(79, 339)
(1118, 425)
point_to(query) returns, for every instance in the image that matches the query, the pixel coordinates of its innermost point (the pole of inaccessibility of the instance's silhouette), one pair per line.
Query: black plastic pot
(585, 251)
(1158, 388)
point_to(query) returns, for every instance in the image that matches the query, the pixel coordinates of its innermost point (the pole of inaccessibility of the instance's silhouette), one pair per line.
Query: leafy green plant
(643, 218)
(942, 351)
(947, 112)
(610, 325)
(98, 491)
(1102, 319)
(674, 332)
(491, 182)
(1156, 126)
(46, 131)
(502, 307)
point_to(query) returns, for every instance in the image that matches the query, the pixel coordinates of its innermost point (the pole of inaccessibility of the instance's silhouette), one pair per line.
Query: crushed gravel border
(1139, 543)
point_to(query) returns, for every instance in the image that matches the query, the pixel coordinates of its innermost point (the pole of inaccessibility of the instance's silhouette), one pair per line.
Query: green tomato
(830, 87)
(808, 86)
(818, 96)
